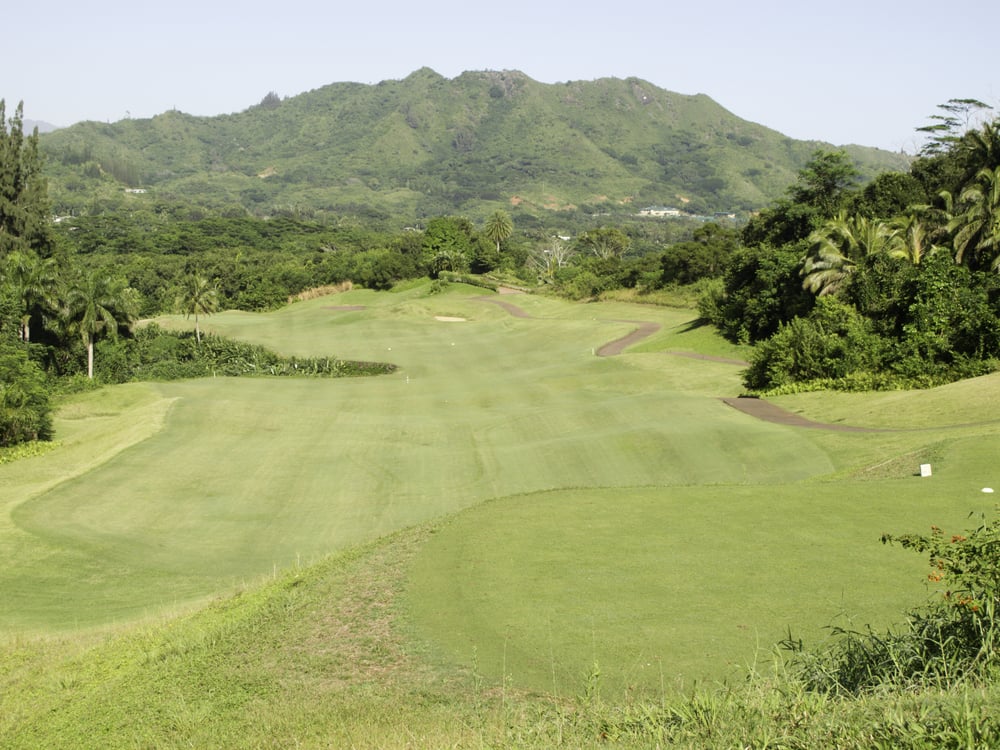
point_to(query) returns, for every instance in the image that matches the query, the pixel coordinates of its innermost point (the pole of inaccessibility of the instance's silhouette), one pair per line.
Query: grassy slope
(513, 408)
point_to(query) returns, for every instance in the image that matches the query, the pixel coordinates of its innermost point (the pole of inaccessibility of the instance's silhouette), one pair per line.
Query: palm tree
(911, 241)
(198, 297)
(498, 227)
(99, 303)
(980, 149)
(838, 246)
(975, 227)
(34, 282)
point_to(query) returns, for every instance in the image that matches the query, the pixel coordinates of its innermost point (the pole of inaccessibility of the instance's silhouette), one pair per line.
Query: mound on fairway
(666, 587)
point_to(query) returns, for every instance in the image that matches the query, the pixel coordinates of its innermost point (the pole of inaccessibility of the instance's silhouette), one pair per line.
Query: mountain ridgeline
(428, 145)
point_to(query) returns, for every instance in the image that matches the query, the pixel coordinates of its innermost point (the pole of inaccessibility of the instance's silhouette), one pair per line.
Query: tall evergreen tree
(25, 215)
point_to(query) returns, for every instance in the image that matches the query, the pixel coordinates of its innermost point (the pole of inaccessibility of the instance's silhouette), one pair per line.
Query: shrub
(156, 354)
(25, 411)
(833, 341)
(954, 636)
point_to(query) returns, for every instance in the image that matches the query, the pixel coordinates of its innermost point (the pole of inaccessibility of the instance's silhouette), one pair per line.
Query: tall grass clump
(951, 639)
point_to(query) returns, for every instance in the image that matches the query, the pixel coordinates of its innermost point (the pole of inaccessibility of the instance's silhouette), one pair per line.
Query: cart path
(510, 307)
(765, 410)
(613, 348)
(645, 330)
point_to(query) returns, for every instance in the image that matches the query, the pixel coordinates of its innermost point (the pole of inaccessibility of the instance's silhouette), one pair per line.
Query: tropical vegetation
(891, 285)
(297, 575)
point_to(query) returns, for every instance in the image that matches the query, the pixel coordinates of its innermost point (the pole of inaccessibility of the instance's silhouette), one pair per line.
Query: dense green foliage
(25, 413)
(911, 260)
(400, 152)
(26, 275)
(24, 203)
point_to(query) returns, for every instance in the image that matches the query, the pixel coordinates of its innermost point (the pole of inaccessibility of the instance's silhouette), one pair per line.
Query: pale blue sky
(849, 72)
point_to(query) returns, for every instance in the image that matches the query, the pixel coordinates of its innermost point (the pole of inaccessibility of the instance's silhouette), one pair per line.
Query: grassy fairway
(632, 518)
(252, 475)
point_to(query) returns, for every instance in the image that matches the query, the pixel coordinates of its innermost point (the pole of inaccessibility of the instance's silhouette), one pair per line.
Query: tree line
(893, 284)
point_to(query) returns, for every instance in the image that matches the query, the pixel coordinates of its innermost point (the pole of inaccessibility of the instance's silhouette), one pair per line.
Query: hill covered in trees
(428, 145)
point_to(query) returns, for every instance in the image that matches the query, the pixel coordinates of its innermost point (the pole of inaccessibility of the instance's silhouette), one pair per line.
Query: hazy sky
(846, 72)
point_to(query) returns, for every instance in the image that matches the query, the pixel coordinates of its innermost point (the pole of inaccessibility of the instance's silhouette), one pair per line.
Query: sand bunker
(448, 319)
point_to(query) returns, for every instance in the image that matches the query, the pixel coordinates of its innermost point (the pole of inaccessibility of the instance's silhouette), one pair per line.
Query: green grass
(253, 475)
(668, 587)
(563, 509)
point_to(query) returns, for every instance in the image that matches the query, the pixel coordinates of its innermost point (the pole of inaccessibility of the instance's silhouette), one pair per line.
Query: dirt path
(510, 307)
(765, 410)
(617, 346)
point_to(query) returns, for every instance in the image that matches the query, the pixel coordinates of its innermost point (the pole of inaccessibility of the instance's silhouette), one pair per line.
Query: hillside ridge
(427, 145)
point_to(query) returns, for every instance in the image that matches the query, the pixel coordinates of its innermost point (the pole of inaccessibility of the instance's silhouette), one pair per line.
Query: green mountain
(428, 145)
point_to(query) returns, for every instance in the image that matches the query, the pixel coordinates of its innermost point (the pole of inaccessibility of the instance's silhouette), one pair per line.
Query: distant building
(725, 214)
(660, 211)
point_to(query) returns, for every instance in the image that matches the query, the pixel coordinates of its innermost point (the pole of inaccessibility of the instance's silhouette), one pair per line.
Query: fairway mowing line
(710, 358)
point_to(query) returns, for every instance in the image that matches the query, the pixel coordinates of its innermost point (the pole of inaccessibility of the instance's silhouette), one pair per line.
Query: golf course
(566, 511)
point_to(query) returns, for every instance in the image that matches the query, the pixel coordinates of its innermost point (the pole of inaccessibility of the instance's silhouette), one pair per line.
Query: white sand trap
(448, 319)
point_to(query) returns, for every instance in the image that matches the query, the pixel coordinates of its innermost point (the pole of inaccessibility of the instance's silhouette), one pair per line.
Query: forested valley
(889, 283)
